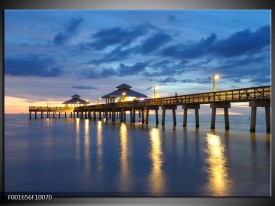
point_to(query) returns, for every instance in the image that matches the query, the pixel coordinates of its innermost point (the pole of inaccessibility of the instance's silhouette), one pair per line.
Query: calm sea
(80, 157)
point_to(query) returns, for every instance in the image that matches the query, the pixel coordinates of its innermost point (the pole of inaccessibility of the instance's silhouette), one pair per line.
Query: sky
(51, 55)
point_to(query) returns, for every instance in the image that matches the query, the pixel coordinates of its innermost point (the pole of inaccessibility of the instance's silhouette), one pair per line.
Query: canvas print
(137, 103)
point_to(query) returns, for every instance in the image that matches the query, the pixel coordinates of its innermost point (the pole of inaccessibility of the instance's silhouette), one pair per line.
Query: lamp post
(155, 94)
(215, 77)
(99, 98)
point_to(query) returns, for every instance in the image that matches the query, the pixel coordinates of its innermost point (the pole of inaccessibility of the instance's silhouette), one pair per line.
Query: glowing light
(124, 148)
(156, 175)
(77, 131)
(128, 98)
(99, 146)
(124, 93)
(218, 174)
(155, 94)
(124, 175)
(216, 76)
(87, 146)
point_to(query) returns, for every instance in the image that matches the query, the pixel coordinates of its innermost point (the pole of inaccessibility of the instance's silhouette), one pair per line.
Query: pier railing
(50, 109)
(256, 96)
(236, 95)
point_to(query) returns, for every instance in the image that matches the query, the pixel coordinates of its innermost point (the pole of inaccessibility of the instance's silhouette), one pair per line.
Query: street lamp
(215, 77)
(155, 88)
(99, 98)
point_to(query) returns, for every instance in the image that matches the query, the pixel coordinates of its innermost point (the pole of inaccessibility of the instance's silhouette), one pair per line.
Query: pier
(256, 96)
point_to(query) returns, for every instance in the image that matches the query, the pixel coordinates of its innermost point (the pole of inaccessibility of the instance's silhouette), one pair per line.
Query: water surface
(85, 157)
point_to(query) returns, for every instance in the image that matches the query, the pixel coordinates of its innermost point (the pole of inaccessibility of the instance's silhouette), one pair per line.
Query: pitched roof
(75, 101)
(75, 96)
(128, 92)
(124, 86)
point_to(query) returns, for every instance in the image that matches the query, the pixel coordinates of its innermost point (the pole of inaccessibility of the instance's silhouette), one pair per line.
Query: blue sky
(51, 55)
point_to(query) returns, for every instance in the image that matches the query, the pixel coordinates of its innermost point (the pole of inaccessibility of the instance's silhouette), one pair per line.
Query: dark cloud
(190, 50)
(121, 70)
(147, 46)
(82, 87)
(236, 62)
(204, 54)
(154, 42)
(260, 79)
(195, 80)
(171, 18)
(132, 70)
(115, 55)
(117, 35)
(90, 73)
(199, 64)
(71, 29)
(32, 65)
(161, 63)
(239, 43)
(246, 67)
(243, 42)
(167, 68)
(107, 72)
(168, 80)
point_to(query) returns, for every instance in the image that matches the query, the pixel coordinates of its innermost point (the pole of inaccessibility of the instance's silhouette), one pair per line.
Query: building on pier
(256, 96)
(123, 94)
(75, 102)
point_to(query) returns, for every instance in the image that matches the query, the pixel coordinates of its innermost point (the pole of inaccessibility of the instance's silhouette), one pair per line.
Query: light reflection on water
(217, 166)
(77, 135)
(87, 146)
(124, 164)
(156, 177)
(99, 147)
(90, 156)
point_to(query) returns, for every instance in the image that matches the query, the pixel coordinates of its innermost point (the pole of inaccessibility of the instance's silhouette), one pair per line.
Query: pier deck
(256, 96)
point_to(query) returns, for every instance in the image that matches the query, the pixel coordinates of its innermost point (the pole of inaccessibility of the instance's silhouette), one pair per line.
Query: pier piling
(173, 108)
(163, 116)
(225, 106)
(256, 96)
(213, 118)
(259, 103)
(196, 107)
(157, 116)
(147, 116)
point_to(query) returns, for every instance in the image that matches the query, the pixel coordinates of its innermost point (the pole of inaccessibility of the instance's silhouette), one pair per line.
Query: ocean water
(78, 157)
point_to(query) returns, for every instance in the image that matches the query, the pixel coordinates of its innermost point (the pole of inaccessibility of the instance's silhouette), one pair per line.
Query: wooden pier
(51, 110)
(256, 96)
